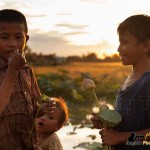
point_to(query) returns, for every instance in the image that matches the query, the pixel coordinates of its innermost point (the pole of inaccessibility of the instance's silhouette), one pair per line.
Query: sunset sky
(75, 27)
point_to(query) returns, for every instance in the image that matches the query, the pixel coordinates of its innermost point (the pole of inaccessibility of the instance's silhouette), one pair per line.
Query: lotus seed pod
(103, 107)
(88, 84)
(110, 118)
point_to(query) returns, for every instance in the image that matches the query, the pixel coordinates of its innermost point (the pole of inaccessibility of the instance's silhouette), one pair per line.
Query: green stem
(95, 96)
(33, 126)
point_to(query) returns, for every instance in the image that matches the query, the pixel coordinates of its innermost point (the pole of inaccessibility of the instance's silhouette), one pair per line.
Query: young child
(49, 124)
(19, 92)
(133, 99)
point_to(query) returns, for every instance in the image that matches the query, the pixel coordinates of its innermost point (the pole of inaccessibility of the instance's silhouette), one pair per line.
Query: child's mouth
(10, 52)
(41, 124)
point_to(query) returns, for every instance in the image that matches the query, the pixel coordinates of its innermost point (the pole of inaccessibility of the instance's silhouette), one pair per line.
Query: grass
(95, 69)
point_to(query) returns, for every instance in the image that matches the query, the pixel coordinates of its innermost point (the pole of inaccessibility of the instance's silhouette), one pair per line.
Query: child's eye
(19, 37)
(50, 117)
(3, 37)
(123, 42)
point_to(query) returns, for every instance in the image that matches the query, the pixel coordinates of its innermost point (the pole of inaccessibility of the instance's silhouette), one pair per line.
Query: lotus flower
(88, 84)
(109, 118)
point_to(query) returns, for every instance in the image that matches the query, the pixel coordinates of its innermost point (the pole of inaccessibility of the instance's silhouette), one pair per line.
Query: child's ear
(27, 38)
(147, 45)
(60, 126)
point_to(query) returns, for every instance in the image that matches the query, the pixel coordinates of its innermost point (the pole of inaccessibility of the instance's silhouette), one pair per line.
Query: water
(69, 141)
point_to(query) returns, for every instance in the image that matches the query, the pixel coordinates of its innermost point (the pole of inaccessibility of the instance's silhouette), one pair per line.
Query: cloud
(75, 33)
(8, 5)
(64, 14)
(2, 4)
(71, 26)
(54, 42)
(94, 1)
(35, 15)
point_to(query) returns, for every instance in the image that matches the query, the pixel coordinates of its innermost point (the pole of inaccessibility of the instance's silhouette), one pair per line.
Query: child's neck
(44, 135)
(140, 69)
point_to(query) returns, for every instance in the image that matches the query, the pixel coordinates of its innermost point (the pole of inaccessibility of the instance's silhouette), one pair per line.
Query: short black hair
(11, 15)
(137, 25)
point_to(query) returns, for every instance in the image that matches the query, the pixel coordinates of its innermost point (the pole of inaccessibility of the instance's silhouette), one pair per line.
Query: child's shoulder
(28, 70)
(55, 142)
(146, 79)
(146, 76)
(54, 136)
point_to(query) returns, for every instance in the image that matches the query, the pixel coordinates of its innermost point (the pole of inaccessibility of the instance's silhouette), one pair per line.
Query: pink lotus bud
(88, 84)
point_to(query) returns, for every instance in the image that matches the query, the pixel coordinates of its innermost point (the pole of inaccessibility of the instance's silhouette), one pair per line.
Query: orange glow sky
(75, 27)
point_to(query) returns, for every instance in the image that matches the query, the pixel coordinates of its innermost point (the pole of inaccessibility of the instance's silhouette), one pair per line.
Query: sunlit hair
(13, 16)
(136, 25)
(60, 103)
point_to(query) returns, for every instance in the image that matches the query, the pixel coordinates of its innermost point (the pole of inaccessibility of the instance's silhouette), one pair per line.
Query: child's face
(49, 122)
(12, 37)
(130, 50)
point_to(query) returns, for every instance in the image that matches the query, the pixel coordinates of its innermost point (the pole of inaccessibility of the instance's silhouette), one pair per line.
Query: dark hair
(11, 16)
(60, 103)
(137, 25)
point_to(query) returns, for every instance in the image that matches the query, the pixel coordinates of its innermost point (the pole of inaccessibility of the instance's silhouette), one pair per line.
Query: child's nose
(42, 118)
(12, 42)
(119, 48)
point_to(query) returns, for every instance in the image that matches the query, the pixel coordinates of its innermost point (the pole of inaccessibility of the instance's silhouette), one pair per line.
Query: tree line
(53, 60)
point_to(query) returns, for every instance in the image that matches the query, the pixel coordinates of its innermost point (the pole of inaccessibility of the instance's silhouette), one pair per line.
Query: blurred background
(71, 40)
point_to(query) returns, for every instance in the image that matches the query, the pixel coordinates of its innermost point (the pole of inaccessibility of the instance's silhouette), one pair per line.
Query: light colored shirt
(51, 143)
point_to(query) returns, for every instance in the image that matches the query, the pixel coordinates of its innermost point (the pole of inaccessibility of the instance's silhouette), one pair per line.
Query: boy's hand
(96, 121)
(49, 106)
(110, 137)
(16, 60)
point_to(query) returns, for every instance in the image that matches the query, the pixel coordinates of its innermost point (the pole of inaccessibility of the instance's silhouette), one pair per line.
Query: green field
(95, 69)
(66, 82)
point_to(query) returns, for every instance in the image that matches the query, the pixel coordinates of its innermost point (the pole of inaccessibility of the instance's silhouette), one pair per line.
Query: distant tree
(116, 57)
(91, 57)
(113, 58)
(74, 59)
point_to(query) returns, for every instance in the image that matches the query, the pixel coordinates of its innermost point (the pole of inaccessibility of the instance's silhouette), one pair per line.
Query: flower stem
(33, 126)
(95, 96)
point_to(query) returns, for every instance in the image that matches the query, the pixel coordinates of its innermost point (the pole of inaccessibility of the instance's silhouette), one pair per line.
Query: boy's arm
(39, 108)
(7, 86)
(15, 63)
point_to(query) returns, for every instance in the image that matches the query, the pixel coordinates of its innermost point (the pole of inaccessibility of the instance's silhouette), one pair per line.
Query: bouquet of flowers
(109, 118)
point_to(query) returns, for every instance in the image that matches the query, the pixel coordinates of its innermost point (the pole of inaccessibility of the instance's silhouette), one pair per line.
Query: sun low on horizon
(75, 27)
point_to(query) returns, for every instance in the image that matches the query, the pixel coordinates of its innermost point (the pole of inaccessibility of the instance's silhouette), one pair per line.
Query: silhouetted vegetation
(53, 60)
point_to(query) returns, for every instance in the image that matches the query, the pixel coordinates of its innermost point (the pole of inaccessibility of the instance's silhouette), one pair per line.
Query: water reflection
(81, 135)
